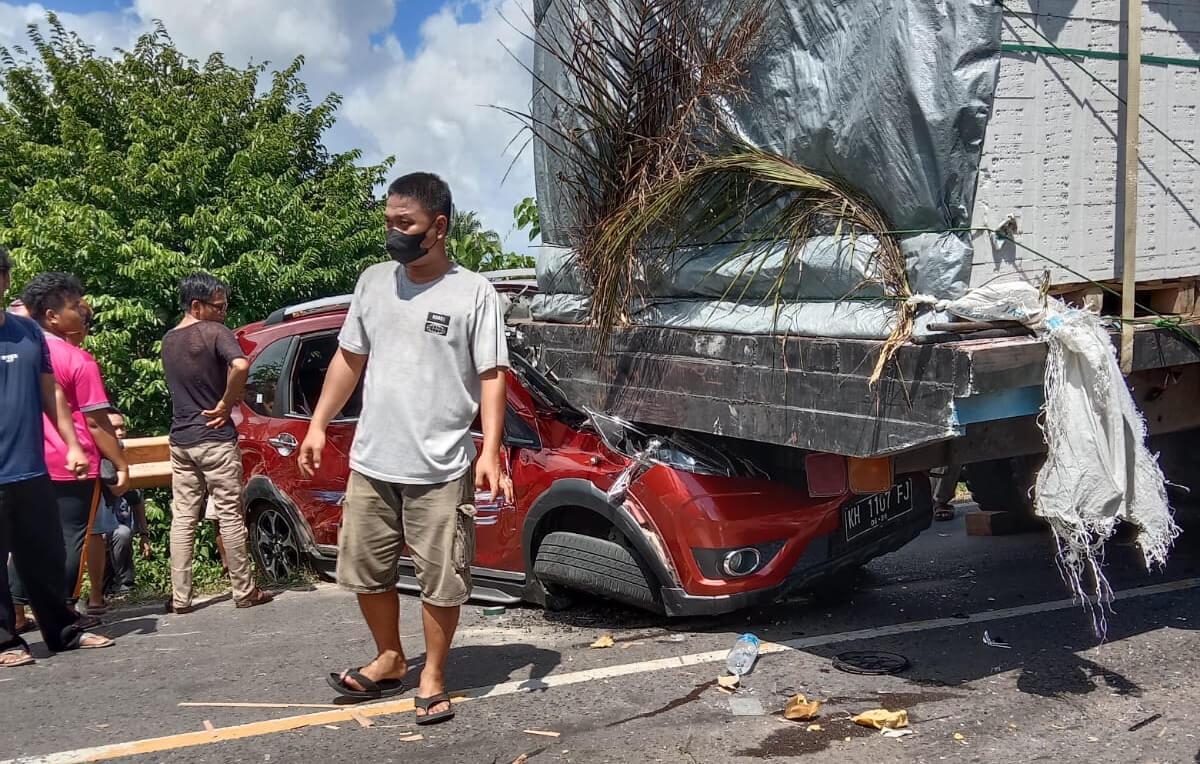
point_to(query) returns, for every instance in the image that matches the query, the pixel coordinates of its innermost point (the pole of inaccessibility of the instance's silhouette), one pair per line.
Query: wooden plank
(1132, 124)
(1176, 300)
(155, 449)
(983, 523)
(794, 389)
(809, 393)
(1089, 298)
(150, 475)
(826, 430)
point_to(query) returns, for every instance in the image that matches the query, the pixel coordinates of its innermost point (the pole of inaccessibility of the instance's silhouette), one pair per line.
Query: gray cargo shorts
(437, 522)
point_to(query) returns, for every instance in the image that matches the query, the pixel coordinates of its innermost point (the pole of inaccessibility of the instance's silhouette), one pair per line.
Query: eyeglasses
(220, 307)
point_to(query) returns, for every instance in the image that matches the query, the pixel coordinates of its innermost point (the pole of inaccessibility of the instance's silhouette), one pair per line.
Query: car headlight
(674, 456)
(675, 449)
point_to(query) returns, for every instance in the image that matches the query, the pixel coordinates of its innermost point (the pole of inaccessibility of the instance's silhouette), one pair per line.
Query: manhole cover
(870, 662)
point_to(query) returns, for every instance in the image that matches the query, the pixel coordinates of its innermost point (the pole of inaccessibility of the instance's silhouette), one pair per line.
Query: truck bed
(955, 401)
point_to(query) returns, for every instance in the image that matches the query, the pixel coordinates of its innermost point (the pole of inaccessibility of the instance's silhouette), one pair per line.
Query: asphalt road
(1058, 693)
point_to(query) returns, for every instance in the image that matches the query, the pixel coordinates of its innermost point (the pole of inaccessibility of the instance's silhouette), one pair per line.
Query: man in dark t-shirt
(206, 373)
(28, 518)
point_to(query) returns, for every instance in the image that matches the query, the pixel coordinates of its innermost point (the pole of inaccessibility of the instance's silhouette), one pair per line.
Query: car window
(517, 431)
(262, 384)
(308, 376)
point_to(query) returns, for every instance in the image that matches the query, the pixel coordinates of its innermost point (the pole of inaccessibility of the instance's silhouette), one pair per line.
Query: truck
(1046, 122)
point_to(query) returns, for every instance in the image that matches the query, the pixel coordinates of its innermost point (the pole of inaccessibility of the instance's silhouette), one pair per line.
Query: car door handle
(285, 444)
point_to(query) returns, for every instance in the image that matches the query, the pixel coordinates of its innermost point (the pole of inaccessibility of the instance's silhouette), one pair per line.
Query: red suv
(666, 521)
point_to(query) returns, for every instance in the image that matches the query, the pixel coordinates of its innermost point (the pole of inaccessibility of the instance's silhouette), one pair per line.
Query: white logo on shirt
(9, 357)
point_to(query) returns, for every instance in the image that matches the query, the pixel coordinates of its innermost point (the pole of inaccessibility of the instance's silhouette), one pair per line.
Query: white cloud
(433, 109)
(104, 31)
(429, 108)
(332, 35)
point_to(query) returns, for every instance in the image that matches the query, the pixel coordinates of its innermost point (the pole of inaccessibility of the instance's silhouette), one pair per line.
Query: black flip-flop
(30, 625)
(384, 688)
(440, 716)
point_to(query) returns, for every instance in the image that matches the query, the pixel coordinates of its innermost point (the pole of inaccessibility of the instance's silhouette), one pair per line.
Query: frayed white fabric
(1098, 470)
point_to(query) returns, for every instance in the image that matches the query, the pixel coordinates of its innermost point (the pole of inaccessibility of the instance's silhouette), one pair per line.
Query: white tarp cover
(1098, 470)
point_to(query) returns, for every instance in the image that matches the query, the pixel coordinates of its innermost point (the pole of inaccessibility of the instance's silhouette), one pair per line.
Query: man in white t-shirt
(434, 333)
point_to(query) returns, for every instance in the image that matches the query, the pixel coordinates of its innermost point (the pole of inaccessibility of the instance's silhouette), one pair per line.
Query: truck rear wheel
(595, 566)
(1006, 485)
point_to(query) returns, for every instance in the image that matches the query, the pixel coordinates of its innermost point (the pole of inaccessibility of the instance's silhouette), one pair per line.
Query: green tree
(134, 170)
(527, 216)
(469, 244)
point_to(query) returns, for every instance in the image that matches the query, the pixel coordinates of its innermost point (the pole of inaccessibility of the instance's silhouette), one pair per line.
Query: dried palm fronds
(640, 80)
(765, 199)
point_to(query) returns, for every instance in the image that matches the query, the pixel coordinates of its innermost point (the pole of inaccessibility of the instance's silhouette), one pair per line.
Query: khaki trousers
(207, 469)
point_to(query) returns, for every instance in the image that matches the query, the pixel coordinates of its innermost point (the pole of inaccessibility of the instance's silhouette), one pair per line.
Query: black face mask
(406, 248)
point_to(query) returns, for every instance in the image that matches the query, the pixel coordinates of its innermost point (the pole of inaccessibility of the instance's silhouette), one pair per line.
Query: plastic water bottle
(741, 658)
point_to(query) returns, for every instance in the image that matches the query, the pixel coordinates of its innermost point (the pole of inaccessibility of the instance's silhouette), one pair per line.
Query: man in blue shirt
(29, 527)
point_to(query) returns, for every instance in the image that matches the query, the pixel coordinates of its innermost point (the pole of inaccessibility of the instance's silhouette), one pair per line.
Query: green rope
(1106, 55)
(1097, 80)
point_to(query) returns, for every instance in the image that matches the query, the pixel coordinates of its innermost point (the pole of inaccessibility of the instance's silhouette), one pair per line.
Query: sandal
(440, 716)
(371, 690)
(15, 656)
(29, 625)
(108, 641)
(100, 609)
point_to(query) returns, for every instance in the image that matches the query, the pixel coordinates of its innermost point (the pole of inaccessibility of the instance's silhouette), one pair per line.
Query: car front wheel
(596, 566)
(275, 543)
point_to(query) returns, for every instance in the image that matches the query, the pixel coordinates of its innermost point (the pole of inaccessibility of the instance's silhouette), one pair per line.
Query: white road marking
(183, 740)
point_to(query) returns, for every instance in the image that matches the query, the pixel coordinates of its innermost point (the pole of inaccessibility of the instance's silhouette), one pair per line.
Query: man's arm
(345, 369)
(110, 446)
(488, 471)
(235, 387)
(58, 411)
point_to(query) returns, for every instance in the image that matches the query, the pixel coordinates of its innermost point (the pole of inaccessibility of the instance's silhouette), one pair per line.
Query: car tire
(595, 566)
(275, 543)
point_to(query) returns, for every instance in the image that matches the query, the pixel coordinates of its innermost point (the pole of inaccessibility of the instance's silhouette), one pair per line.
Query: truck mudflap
(826, 556)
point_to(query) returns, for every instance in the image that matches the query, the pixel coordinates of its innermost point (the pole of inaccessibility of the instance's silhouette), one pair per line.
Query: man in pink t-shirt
(53, 300)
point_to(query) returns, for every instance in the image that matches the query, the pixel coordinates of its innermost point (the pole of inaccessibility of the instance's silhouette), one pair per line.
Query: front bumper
(825, 556)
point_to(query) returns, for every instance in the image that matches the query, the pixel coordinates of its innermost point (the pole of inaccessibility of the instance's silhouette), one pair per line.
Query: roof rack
(510, 274)
(310, 308)
(341, 302)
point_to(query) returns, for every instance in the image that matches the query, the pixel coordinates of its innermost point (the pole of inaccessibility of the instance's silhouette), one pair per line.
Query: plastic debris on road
(881, 718)
(605, 641)
(800, 708)
(987, 640)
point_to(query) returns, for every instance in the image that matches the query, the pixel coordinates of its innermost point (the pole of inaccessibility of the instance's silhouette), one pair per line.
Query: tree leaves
(136, 170)
(468, 244)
